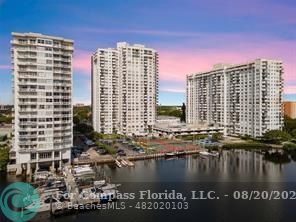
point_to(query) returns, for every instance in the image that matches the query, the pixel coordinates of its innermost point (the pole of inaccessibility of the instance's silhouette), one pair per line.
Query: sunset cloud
(190, 36)
(290, 89)
(176, 63)
(173, 90)
(5, 67)
(82, 62)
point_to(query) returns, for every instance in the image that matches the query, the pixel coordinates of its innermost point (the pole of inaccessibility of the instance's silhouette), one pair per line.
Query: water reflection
(238, 165)
(233, 170)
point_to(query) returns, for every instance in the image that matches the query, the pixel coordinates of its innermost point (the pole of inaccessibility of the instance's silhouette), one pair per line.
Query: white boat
(44, 203)
(42, 175)
(129, 163)
(180, 152)
(118, 163)
(204, 153)
(214, 153)
(99, 182)
(108, 195)
(123, 163)
(83, 171)
(103, 193)
(109, 186)
(170, 154)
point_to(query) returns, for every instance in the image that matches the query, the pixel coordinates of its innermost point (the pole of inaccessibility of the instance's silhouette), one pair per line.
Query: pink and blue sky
(190, 35)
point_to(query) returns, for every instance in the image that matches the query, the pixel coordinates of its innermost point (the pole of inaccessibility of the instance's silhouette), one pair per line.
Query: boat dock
(78, 186)
(127, 160)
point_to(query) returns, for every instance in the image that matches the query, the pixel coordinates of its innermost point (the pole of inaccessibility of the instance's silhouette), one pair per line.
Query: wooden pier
(131, 158)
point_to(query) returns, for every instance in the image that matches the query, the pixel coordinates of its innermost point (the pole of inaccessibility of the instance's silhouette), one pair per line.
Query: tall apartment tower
(124, 89)
(42, 89)
(245, 99)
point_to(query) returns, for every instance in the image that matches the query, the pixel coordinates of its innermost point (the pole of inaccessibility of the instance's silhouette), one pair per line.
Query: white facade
(245, 99)
(42, 89)
(124, 89)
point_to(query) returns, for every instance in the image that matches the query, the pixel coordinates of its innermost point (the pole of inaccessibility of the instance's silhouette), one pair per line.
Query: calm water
(233, 171)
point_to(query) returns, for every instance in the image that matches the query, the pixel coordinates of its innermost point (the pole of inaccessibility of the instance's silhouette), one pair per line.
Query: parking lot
(105, 150)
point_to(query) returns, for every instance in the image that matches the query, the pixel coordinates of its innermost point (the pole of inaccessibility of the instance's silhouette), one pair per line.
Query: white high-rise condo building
(124, 89)
(42, 89)
(245, 99)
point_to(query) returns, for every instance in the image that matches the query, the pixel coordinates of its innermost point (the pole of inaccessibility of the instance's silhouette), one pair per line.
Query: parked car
(136, 149)
(102, 151)
(141, 151)
(121, 152)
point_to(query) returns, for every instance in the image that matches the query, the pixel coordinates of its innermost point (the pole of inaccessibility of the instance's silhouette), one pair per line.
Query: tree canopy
(5, 119)
(83, 128)
(169, 111)
(289, 124)
(4, 158)
(276, 136)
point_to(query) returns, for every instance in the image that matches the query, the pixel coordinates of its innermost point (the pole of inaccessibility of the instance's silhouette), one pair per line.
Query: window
(48, 42)
(33, 156)
(45, 155)
(56, 154)
(41, 41)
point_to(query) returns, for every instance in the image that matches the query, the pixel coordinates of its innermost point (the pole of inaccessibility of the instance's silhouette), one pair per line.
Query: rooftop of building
(125, 44)
(290, 102)
(221, 66)
(33, 34)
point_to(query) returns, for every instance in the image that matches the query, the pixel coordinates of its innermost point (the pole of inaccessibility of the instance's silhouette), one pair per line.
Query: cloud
(143, 32)
(82, 62)
(200, 54)
(290, 89)
(5, 66)
(172, 90)
(176, 62)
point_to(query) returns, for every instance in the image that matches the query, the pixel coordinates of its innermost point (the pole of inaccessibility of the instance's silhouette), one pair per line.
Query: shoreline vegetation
(4, 152)
(4, 158)
(246, 146)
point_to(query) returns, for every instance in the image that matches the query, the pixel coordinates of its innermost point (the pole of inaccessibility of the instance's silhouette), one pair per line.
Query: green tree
(83, 113)
(3, 138)
(293, 133)
(76, 120)
(169, 111)
(183, 116)
(83, 128)
(5, 119)
(276, 136)
(246, 137)
(217, 136)
(96, 136)
(289, 124)
(4, 158)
